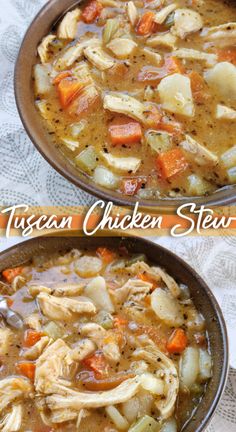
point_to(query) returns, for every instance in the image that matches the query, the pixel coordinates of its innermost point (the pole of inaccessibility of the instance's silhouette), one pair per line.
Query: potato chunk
(167, 308)
(186, 21)
(176, 94)
(222, 78)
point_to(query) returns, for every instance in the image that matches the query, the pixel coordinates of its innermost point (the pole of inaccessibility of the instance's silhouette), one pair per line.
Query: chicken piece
(133, 290)
(222, 35)
(222, 78)
(42, 80)
(77, 400)
(153, 56)
(186, 21)
(36, 350)
(88, 266)
(33, 321)
(122, 48)
(162, 14)
(192, 54)
(60, 290)
(65, 308)
(68, 26)
(122, 164)
(132, 13)
(197, 153)
(104, 340)
(74, 53)
(13, 389)
(54, 363)
(166, 40)
(166, 370)
(83, 349)
(5, 340)
(99, 58)
(12, 421)
(124, 104)
(176, 95)
(225, 113)
(44, 46)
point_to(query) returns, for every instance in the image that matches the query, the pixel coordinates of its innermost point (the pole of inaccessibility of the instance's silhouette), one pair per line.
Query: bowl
(41, 26)
(201, 294)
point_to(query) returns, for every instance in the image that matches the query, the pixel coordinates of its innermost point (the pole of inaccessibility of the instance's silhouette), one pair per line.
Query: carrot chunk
(106, 254)
(146, 24)
(93, 384)
(177, 342)
(227, 54)
(131, 186)
(198, 87)
(119, 322)
(124, 130)
(174, 65)
(91, 11)
(153, 116)
(61, 76)
(171, 163)
(10, 273)
(68, 90)
(26, 369)
(31, 337)
(97, 363)
(146, 278)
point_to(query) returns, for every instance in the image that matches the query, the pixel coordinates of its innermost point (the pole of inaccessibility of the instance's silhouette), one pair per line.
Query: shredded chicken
(36, 350)
(186, 21)
(33, 321)
(64, 308)
(166, 370)
(99, 58)
(14, 389)
(166, 40)
(83, 349)
(123, 164)
(222, 35)
(12, 421)
(60, 290)
(161, 15)
(68, 26)
(132, 13)
(74, 53)
(124, 104)
(188, 53)
(55, 362)
(103, 339)
(5, 340)
(77, 400)
(133, 290)
(43, 48)
(198, 153)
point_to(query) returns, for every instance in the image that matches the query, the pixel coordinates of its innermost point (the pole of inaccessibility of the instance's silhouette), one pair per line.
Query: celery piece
(159, 141)
(110, 29)
(145, 424)
(87, 160)
(52, 330)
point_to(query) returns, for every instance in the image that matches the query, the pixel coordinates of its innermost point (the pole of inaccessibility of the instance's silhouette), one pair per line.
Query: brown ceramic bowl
(201, 294)
(41, 26)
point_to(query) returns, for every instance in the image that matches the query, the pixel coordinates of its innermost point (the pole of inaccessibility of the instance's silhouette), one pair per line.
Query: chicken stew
(140, 96)
(99, 340)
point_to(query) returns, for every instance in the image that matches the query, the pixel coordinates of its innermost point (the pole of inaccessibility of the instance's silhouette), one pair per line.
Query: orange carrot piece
(131, 186)
(91, 11)
(227, 54)
(146, 278)
(146, 24)
(93, 384)
(26, 369)
(68, 90)
(153, 116)
(177, 342)
(31, 337)
(106, 254)
(174, 65)
(198, 87)
(97, 363)
(10, 302)
(171, 162)
(124, 130)
(61, 76)
(10, 273)
(119, 321)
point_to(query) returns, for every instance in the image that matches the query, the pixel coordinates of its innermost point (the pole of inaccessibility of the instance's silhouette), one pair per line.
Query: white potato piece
(186, 21)
(6, 336)
(225, 113)
(192, 54)
(152, 384)
(176, 94)
(197, 185)
(132, 13)
(166, 40)
(43, 47)
(167, 308)
(42, 78)
(228, 158)
(222, 78)
(99, 58)
(205, 366)
(197, 153)
(119, 421)
(88, 266)
(122, 48)
(169, 426)
(105, 177)
(189, 367)
(124, 104)
(161, 15)
(124, 164)
(97, 291)
(70, 143)
(68, 26)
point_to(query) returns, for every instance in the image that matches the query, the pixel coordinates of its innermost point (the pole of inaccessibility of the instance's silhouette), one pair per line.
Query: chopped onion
(87, 160)
(104, 177)
(115, 415)
(205, 363)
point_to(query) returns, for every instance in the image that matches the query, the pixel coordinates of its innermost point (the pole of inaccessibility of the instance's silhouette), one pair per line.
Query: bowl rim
(41, 241)
(223, 196)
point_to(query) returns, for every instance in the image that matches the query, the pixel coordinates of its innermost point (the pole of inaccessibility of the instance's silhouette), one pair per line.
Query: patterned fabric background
(25, 177)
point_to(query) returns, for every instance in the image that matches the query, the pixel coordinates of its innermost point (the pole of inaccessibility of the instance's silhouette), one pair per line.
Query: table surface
(25, 177)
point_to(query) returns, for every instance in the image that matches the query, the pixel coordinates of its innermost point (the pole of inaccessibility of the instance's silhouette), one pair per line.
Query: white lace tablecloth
(25, 177)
